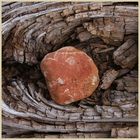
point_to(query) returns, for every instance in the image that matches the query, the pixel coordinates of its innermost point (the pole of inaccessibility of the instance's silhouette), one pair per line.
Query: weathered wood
(128, 132)
(104, 31)
(127, 54)
(108, 77)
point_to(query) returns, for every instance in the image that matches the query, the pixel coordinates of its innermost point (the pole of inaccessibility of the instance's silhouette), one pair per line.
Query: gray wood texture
(107, 32)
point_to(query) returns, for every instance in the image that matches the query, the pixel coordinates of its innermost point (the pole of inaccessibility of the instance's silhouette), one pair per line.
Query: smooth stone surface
(70, 74)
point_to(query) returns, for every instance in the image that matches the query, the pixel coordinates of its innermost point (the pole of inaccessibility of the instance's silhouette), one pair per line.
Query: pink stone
(70, 74)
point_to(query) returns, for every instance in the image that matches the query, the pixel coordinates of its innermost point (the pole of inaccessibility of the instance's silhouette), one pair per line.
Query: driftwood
(108, 77)
(32, 29)
(126, 55)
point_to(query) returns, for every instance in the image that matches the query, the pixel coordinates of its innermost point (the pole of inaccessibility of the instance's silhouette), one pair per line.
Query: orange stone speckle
(70, 74)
